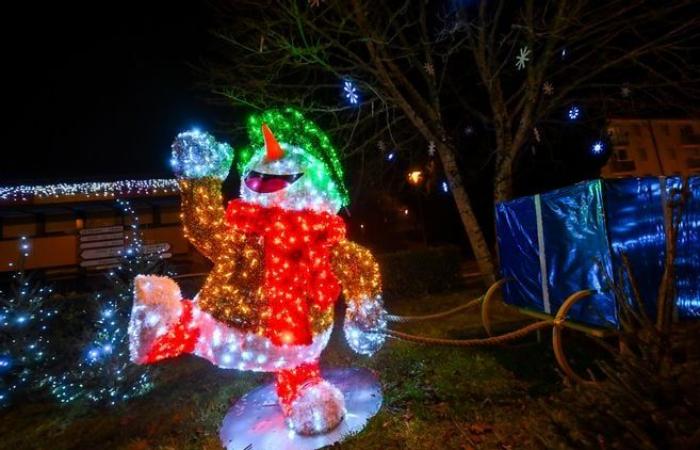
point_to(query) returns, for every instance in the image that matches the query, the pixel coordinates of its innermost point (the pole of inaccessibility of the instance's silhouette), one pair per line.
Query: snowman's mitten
(157, 308)
(198, 155)
(365, 325)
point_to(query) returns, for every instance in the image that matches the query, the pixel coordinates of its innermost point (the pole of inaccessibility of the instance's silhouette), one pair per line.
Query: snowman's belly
(233, 348)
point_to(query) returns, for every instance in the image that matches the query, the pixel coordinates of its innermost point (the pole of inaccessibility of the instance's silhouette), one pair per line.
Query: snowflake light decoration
(431, 149)
(574, 112)
(547, 88)
(625, 91)
(522, 58)
(537, 135)
(350, 92)
(598, 147)
(429, 69)
(381, 146)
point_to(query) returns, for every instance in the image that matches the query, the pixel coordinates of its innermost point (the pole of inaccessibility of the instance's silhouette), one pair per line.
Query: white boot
(318, 408)
(157, 306)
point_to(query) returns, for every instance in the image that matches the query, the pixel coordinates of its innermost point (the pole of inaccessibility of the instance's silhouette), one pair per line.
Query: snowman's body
(280, 261)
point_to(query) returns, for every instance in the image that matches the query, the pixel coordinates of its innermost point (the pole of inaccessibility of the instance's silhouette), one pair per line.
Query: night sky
(98, 91)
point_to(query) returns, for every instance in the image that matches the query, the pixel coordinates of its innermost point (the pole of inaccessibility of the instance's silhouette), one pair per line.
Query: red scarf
(297, 274)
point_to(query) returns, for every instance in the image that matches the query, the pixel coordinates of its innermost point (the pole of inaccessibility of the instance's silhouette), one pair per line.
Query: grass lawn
(434, 398)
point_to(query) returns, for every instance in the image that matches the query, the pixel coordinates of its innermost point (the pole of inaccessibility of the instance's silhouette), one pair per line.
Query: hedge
(416, 272)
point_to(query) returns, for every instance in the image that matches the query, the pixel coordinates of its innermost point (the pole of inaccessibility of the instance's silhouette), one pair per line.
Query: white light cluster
(319, 408)
(365, 325)
(196, 154)
(97, 189)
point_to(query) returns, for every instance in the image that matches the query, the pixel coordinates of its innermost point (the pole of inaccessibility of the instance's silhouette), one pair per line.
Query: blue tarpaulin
(575, 236)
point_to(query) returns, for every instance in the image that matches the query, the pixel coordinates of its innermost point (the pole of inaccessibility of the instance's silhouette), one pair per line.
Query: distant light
(415, 177)
(445, 187)
(574, 112)
(598, 147)
(405, 212)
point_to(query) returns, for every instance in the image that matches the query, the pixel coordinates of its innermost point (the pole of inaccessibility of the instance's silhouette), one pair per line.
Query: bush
(417, 272)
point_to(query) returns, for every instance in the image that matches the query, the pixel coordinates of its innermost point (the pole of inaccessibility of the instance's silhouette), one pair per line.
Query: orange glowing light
(415, 177)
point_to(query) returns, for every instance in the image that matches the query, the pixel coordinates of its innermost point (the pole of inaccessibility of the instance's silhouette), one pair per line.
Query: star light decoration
(350, 92)
(522, 58)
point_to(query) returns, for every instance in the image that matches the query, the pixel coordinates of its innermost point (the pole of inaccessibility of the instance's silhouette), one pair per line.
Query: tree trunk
(503, 176)
(481, 250)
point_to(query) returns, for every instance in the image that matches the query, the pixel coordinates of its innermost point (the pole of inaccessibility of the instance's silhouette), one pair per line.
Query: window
(672, 153)
(643, 154)
(619, 136)
(621, 154)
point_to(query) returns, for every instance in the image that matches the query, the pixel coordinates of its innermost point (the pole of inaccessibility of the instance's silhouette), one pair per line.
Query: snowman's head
(289, 173)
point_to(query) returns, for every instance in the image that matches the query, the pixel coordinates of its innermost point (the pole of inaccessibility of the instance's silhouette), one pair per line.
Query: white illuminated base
(256, 422)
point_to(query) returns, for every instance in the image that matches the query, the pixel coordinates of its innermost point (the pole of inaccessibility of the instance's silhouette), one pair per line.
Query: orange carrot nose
(273, 151)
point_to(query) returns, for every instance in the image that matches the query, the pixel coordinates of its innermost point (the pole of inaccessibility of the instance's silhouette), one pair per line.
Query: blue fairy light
(93, 354)
(390, 156)
(445, 187)
(350, 92)
(574, 112)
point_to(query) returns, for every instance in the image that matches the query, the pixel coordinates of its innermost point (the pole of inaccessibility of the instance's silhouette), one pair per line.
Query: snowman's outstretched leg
(312, 404)
(162, 324)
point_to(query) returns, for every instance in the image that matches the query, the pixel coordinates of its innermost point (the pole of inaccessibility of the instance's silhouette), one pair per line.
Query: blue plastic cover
(516, 232)
(635, 219)
(688, 255)
(575, 235)
(636, 228)
(577, 252)
(570, 245)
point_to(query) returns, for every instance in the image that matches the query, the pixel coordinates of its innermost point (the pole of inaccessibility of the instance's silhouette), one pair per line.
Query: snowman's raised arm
(201, 164)
(202, 214)
(365, 317)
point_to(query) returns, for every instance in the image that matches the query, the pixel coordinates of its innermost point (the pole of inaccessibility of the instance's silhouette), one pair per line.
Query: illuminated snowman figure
(280, 262)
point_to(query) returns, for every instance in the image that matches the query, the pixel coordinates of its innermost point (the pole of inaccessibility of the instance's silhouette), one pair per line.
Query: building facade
(643, 147)
(78, 228)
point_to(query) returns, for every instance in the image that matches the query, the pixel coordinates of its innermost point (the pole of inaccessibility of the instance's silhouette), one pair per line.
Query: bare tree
(612, 57)
(423, 68)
